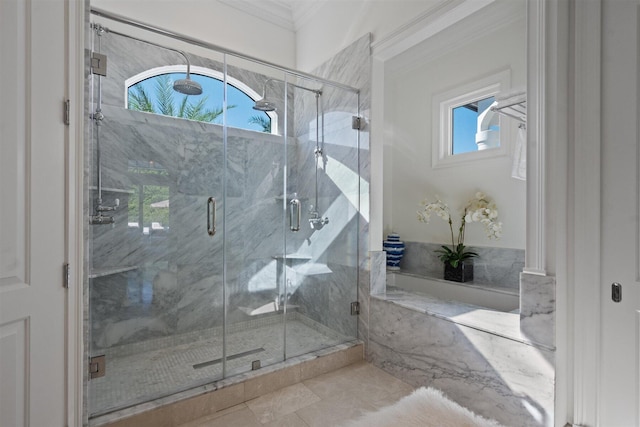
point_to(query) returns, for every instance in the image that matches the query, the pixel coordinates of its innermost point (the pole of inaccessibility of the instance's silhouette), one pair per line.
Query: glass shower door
(155, 281)
(322, 249)
(222, 226)
(255, 171)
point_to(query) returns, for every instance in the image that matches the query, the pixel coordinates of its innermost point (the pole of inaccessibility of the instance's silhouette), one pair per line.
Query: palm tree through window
(155, 94)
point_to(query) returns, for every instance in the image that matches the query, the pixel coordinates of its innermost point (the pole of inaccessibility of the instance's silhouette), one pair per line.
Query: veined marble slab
(505, 325)
(494, 376)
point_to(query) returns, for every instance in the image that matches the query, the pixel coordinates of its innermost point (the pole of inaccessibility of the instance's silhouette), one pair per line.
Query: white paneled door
(618, 394)
(32, 213)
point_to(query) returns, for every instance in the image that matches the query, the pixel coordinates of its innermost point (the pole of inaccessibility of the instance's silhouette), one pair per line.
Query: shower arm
(273, 79)
(186, 58)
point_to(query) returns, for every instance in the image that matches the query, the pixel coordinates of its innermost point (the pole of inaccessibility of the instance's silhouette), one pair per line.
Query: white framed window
(465, 128)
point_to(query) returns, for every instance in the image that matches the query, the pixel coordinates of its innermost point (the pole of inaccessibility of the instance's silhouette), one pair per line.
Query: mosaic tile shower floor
(135, 378)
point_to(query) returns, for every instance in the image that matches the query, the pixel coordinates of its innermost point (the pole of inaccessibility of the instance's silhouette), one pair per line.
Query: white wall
(410, 82)
(336, 24)
(213, 22)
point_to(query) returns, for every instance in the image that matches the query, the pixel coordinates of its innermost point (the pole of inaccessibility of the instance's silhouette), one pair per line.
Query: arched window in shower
(151, 91)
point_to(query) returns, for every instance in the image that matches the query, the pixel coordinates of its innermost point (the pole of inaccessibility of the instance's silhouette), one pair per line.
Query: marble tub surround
(498, 267)
(538, 308)
(499, 323)
(495, 376)
(378, 272)
(486, 360)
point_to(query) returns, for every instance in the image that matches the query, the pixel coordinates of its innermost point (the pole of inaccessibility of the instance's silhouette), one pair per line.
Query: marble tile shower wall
(326, 285)
(498, 267)
(352, 66)
(174, 285)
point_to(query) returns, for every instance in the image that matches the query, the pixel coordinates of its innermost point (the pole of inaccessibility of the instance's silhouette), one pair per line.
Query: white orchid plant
(479, 209)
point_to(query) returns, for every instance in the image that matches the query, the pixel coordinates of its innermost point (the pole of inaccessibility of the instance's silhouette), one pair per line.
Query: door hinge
(355, 308)
(66, 115)
(98, 64)
(66, 275)
(356, 122)
(97, 366)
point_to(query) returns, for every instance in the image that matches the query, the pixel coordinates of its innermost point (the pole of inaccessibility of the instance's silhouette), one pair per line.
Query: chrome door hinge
(66, 275)
(356, 123)
(355, 308)
(66, 115)
(97, 366)
(98, 64)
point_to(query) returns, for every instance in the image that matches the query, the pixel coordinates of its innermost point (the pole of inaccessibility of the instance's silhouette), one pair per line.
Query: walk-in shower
(172, 305)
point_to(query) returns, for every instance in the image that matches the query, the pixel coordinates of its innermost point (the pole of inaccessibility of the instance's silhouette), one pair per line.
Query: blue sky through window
(465, 125)
(212, 88)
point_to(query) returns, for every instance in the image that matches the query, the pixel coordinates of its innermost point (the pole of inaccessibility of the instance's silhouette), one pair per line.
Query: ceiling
(288, 14)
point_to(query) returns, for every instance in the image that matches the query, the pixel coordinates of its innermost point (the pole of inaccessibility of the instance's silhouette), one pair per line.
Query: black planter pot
(462, 273)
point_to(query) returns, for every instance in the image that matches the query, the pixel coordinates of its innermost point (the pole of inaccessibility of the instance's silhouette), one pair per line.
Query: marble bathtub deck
(506, 325)
(324, 401)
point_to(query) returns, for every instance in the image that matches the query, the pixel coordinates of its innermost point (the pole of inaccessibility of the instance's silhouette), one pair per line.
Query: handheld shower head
(187, 86)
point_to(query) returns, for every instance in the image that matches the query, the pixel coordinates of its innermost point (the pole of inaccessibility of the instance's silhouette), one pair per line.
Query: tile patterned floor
(324, 401)
(140, 377)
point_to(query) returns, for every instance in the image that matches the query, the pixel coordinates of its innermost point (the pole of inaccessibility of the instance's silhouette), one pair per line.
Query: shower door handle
(294, 215)
(211, 216)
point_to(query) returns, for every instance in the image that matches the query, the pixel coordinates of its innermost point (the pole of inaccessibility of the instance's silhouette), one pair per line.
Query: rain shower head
(264, 105)
(187, 86)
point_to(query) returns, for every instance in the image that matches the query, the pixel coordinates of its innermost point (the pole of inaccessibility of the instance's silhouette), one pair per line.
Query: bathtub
(473, 294)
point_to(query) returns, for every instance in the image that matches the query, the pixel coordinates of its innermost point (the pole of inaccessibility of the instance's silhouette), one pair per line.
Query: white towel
(519, 168)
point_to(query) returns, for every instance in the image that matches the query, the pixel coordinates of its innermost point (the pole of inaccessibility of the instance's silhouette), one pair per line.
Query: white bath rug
(425, 407)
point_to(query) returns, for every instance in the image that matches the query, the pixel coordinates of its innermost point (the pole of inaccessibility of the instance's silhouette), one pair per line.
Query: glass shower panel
(155, 273)
(322, 257)
(255, 170)
(222, 231)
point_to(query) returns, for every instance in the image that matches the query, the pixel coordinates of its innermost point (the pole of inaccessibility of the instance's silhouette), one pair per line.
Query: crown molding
(489, 18)
(277, 12)
(303, 11)
(424, 26)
